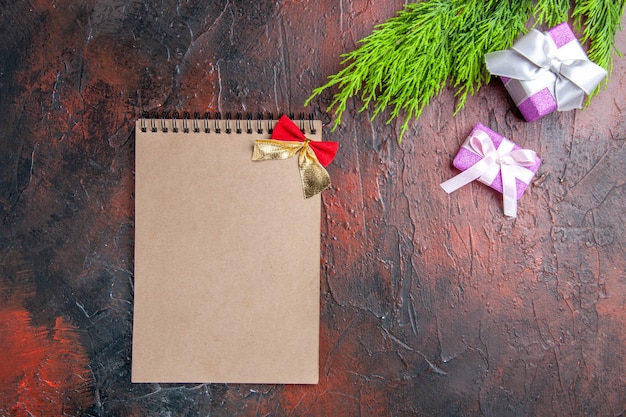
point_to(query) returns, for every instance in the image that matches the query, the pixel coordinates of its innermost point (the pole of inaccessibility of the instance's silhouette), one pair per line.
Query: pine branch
(410, 58)
(402, 64)
(485, 27)
(601, 20)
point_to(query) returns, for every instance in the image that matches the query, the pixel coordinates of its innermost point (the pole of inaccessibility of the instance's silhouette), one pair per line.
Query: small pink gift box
(547, 71)
(494, 160)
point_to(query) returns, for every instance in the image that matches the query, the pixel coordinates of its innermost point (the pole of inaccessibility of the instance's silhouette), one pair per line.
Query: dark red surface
(431, 304)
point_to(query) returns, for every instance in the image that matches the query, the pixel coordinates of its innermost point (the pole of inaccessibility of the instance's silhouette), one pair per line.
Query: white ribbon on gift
(535, 55)
(510, 163)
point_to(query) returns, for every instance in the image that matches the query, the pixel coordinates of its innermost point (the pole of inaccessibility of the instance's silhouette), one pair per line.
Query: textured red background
(431, 304)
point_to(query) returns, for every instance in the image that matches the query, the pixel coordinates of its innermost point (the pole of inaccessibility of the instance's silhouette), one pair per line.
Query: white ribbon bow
(511, 164)
(536, 54)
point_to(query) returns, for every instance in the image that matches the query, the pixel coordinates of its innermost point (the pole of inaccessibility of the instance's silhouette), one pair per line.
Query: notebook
(227, 257)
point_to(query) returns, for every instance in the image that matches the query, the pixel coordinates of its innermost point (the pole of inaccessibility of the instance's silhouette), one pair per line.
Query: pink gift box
(466, 158)
(535, 98)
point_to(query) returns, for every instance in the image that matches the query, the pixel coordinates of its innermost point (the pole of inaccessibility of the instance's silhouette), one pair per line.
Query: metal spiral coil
(208, 122)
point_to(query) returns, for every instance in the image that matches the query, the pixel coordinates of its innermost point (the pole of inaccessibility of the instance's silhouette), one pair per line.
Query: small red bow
(287, 130)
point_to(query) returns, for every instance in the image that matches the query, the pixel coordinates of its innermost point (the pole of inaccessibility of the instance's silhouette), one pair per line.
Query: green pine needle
(489, 26)
(552, 12)
(410, 58)
(601, 20)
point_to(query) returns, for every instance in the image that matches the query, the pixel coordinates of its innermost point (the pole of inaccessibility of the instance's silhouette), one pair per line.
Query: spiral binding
(208, 122)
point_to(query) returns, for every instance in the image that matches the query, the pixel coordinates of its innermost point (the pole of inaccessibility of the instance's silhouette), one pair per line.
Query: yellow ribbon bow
(314, 176)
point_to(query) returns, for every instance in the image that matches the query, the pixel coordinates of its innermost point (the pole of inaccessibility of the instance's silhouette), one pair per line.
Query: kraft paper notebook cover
(227, 258)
